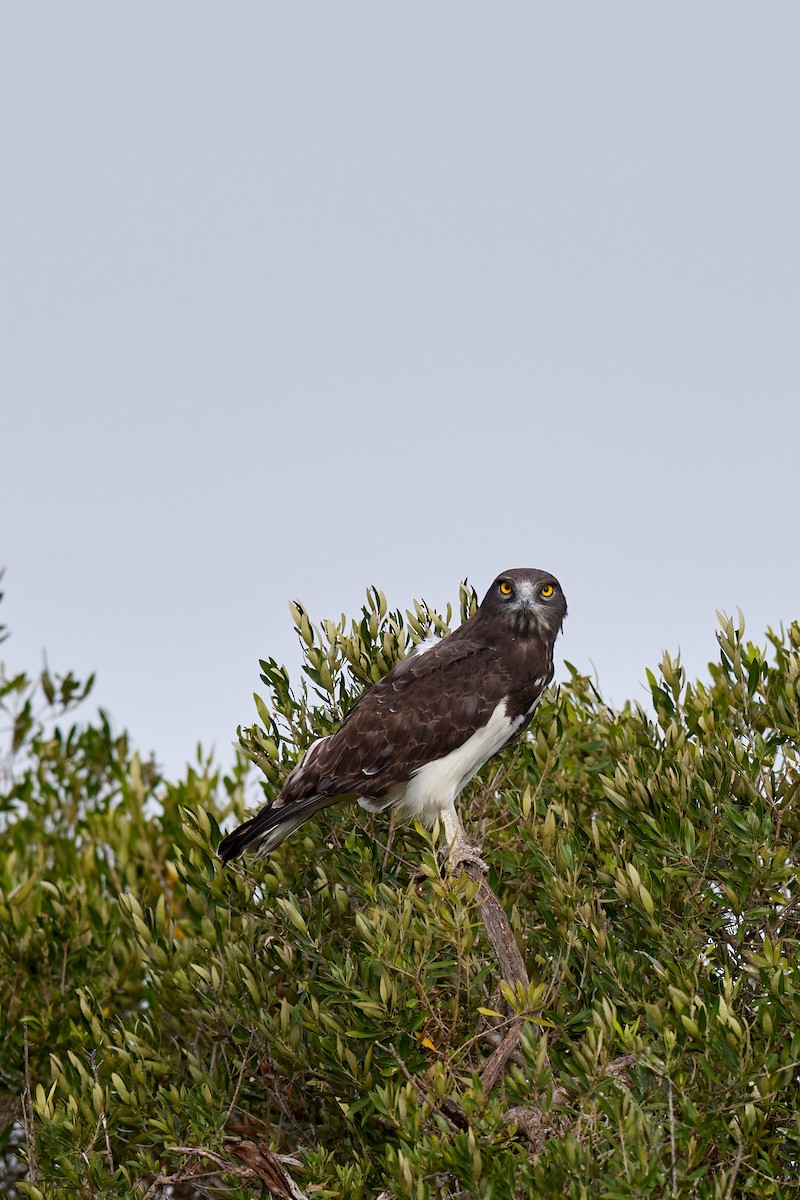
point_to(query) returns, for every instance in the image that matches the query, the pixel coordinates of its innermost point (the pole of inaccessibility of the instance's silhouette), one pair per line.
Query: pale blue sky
(298, 298)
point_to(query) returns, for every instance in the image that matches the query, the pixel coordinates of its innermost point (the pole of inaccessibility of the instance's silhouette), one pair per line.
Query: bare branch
(512, 969)
(501, 935)
(27, 1119)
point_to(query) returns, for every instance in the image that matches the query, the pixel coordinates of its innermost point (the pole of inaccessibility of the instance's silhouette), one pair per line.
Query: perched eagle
(417, 737)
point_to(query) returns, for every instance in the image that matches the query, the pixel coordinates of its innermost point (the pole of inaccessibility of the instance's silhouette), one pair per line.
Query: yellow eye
(506, 588)
(546, 590)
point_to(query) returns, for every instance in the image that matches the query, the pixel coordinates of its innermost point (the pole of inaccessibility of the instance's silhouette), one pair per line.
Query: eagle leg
(459, 848)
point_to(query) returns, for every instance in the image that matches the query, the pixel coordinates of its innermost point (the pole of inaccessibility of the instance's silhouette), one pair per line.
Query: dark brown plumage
(419, 735)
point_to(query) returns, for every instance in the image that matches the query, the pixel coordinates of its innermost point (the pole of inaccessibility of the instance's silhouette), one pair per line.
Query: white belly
(433, 788)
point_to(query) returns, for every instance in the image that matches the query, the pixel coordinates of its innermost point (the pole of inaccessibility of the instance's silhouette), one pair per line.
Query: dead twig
(267, 1167)
(260, 1164)
(238, 1087)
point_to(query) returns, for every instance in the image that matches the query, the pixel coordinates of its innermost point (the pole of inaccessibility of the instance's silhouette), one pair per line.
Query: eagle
(413, 741)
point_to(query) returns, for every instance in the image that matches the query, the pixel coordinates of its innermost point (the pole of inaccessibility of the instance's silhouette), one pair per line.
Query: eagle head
(529, 600)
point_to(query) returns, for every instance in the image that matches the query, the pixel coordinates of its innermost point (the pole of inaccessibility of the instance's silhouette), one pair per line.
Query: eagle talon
(451, 860)
(462, 852)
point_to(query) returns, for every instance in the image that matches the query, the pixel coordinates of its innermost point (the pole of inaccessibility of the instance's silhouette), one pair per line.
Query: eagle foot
(460, 852)
(450, 860)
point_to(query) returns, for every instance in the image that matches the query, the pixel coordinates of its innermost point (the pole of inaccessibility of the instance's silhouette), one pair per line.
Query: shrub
(173, 1028)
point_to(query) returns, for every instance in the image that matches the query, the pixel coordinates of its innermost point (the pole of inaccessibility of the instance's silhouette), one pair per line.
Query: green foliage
(337, 1002)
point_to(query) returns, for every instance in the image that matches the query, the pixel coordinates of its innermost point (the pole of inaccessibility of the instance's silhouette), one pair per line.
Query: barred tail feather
(266, 830)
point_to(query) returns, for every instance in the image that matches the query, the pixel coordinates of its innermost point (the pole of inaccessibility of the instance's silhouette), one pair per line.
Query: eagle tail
(267, 829)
